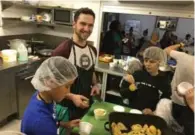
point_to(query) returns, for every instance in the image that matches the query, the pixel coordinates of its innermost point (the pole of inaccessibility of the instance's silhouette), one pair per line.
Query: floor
(14, 125)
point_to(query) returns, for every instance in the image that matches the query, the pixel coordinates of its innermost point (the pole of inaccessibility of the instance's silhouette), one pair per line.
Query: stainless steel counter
(104, 67)
(106, 70)
(4, 66)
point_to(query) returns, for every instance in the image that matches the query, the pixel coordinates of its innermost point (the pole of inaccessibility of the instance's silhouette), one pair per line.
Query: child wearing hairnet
(144, 88)
(179, 111)
(52, 81)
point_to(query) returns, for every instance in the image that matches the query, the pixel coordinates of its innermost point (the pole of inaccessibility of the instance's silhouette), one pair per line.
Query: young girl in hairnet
(52, 80)
(144, 88)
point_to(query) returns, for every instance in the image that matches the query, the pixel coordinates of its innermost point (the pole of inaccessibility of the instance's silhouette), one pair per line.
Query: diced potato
(153, 129)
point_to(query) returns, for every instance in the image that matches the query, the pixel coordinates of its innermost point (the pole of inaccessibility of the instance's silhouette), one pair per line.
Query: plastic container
(22, 53)
(184, 87)
(9, 55)
(85, 128)
(99, 114)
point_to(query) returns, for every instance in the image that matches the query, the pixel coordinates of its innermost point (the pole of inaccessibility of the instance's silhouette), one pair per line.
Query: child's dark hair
(86, 11)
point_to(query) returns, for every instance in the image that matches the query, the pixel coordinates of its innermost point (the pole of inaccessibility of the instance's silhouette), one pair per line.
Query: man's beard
(82, 38)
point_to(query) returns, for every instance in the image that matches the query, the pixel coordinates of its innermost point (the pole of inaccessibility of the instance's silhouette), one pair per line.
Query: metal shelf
(113, 92)
(18, 19)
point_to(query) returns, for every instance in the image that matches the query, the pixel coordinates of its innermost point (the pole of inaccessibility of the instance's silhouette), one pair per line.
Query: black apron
(81, 86)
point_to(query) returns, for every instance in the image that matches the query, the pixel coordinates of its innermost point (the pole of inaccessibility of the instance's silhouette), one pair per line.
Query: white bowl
(183, 87)
(85, 128)
(99, 113)
(118, 108)
(135, 111)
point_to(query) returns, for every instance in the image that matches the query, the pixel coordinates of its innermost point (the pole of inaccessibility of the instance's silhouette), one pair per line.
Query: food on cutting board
(136, 129)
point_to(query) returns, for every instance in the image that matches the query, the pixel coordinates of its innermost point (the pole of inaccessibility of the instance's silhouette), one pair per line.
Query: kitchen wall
(184, 25)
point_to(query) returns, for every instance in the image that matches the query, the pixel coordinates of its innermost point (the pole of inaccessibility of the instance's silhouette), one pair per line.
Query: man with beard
(83, 55)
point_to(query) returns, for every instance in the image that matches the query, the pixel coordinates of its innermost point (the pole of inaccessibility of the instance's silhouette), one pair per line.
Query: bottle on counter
(22, 53)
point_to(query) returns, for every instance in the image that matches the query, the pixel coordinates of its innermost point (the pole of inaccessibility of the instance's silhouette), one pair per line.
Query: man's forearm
(173, 47)
(94, 79)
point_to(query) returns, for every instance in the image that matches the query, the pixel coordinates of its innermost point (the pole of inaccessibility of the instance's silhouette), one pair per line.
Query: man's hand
(95, 90)
(189, 96)
(78, 101)
(147, 111)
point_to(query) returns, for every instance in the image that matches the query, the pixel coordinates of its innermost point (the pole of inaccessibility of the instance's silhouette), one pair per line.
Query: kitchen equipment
(85, 128)
(63, 16)
(24, 88)
(129, 119)
(14, 43)
(183, 87)
(9, 55)
(45, 52)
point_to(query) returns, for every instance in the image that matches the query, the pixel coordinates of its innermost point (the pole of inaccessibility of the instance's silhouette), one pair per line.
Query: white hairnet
(134, 65)
(156, 53)
(54, 72)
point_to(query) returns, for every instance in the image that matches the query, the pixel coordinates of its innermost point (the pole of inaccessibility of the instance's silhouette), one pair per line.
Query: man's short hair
(86, 11)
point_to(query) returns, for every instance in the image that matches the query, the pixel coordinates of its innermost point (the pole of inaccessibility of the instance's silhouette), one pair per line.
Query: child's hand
(74, 123)
(129, 78)
(147, 111)
(189, 96)
(132, 87)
